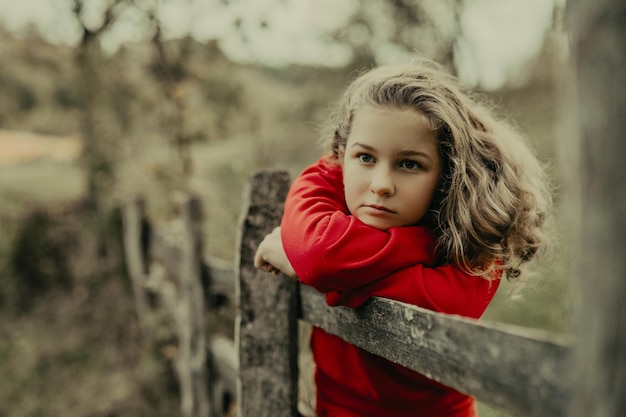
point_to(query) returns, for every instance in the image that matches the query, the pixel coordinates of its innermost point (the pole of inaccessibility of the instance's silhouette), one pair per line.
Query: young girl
(424, 198)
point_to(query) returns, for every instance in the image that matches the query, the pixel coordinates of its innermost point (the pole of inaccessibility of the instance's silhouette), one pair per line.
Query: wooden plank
(516, 369)
(266, 330)
(598, 32)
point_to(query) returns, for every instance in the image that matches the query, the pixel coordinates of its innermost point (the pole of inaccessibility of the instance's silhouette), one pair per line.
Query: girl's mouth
(381, 209)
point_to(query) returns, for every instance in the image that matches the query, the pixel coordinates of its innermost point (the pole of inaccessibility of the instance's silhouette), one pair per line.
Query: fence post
(132, 216)
(192, 358)
(599, 35)
(266, 332)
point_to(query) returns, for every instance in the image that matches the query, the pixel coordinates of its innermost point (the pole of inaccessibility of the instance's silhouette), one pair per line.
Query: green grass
(38, 183)
(77, 350)
(76, 354)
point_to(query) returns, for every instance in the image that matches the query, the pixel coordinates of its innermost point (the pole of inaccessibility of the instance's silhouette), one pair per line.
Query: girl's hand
(271, 256)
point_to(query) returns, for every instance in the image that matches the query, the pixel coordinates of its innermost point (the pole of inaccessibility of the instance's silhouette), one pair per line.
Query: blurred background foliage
(84, 129)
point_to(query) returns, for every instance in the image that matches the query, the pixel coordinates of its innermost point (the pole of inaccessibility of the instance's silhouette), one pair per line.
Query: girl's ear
(340, 154)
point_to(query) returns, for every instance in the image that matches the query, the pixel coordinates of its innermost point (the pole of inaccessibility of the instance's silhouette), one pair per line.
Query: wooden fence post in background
(175, 275)
(191, 358)
(132, 216)
(266, 333)
(599, 39)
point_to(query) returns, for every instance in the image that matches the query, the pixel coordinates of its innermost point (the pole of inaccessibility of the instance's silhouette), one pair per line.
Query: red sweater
(351, 262)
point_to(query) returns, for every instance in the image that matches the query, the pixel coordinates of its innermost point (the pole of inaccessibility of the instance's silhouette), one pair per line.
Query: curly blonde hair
(490, 210)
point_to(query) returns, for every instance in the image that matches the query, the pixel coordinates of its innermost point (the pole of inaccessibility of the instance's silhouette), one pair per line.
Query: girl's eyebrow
(367, 147)
(415, 153)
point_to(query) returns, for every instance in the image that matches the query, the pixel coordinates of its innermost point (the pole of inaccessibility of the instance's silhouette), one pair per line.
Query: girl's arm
(445, 288)
(334, 251)
(352, 262)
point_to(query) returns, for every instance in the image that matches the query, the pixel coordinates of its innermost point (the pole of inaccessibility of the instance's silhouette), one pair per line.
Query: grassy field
(75, 351)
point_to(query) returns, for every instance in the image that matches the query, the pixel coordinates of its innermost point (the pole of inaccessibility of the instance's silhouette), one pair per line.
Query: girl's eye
(365, 158)
(409, 165)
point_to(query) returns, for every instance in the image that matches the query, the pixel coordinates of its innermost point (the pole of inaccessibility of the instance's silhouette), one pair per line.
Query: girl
(424, 198)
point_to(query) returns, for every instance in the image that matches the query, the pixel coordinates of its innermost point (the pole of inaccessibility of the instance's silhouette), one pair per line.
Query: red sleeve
(334, 251)
(446, 289)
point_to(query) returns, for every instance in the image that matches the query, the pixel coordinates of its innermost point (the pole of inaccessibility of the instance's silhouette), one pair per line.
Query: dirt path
(19, 147)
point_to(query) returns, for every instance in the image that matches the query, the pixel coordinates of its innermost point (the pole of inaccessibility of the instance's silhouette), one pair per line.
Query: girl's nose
(382, 183)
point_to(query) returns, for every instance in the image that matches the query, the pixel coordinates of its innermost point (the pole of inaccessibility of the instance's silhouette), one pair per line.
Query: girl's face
(391, 166)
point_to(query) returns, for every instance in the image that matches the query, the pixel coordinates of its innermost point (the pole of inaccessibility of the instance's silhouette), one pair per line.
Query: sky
(499, 36)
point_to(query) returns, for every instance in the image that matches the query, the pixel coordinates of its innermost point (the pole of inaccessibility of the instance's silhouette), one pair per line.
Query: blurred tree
(384, 31)
(167, 87)
(170, 68)
(100, 127)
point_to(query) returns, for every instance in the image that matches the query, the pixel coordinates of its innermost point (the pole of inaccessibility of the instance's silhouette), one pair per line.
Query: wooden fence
(521, 371)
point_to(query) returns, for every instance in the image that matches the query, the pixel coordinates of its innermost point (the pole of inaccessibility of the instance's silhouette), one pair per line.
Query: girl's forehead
(389, 125)
(367, 110)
